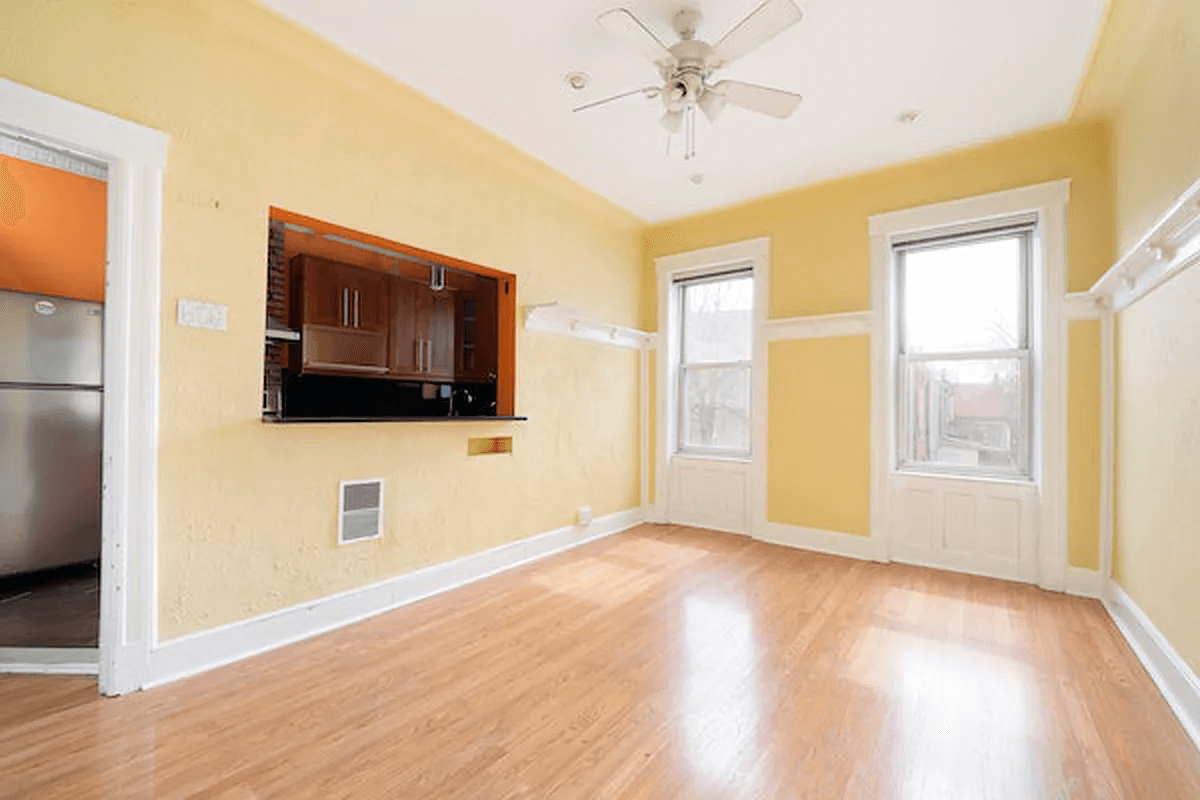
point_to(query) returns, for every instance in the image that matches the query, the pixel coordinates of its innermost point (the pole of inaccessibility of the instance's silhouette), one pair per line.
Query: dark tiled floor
(55, 608)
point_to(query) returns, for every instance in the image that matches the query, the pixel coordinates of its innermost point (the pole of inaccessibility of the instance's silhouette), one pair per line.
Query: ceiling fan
(688, 65)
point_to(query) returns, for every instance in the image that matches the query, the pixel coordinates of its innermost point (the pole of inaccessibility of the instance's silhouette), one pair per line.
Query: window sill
(349, 420)
(958, 476)
(713, 457)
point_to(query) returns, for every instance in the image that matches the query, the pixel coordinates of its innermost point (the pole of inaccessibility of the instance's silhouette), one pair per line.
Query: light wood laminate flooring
(659, 663)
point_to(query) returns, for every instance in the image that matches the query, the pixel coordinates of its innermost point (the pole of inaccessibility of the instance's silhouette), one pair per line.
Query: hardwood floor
(663, 662)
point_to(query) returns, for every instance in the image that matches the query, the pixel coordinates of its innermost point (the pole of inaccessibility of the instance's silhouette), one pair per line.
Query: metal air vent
(360, 511)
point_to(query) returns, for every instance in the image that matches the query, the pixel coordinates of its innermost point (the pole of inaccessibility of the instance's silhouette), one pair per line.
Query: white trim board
(134, 157)
(1084, 582)
(1170, 246)
(216, 647)
(566, 321)
(50, 660)
(817, 326)
(865, 548)
(1179, 685)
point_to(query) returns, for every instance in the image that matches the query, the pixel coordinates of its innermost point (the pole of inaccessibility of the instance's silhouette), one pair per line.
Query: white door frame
(135, 156)
(1049, 459)
(753, 252)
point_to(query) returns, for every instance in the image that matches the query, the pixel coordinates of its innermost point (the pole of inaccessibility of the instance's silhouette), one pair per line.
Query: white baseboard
(1084, 582)
(831, 542)
(216, 647)
(1178, 684)
(50, 660)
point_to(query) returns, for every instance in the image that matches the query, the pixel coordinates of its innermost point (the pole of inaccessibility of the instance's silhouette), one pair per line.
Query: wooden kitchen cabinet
(421, 345)
(342, 314)
(476, 332)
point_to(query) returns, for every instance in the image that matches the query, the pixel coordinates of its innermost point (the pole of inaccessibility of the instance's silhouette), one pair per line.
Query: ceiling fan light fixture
(712, 104)
(672, 121)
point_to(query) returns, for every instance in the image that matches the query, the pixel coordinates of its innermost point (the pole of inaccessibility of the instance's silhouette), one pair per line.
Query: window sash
(1022, 354)
(1022, 231)
(682, 447)
(685, 367)
(905, 461)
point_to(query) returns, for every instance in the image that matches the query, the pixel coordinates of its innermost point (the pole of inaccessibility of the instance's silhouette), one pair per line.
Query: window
(963, 367)
(716, 320)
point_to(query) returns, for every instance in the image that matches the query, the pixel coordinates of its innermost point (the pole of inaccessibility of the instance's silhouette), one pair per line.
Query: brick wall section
(276, 310)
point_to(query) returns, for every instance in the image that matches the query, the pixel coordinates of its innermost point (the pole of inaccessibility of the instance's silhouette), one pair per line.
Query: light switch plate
(198, 314)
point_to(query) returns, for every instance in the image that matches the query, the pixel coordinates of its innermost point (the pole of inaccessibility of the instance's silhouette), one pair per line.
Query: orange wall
(52, 227)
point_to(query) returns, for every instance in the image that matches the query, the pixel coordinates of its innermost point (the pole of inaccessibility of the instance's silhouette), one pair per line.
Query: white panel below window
(979, 526)
(709, 493)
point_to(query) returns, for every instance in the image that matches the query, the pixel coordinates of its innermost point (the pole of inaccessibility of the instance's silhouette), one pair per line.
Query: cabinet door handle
(345, 306)
(429, 355)
(420, 355)
(356, 315)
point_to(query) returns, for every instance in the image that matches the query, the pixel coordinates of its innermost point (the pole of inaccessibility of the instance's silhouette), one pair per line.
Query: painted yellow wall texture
(1156, 130)
(260, 113)
(817, 431)
(820, 264)
(1083, 443)
(1157, 557)
(1156, 155)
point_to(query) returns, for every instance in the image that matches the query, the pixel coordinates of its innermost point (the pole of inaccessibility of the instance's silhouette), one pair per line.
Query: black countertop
(305, 420)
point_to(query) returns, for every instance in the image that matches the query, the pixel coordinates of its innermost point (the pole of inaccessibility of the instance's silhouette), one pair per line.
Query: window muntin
(963, 368)
(716, 319)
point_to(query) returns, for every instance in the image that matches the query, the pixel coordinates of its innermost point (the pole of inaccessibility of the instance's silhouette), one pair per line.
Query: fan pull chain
(689, 151)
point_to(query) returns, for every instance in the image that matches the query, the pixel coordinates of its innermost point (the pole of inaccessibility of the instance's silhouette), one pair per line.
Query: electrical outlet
(198, 314)
(583, 516)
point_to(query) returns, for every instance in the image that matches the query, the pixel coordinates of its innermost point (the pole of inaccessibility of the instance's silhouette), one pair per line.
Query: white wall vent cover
(360, 511)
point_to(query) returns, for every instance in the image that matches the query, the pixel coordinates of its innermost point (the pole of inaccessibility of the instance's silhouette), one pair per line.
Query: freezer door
(50, 340)
(50, 463)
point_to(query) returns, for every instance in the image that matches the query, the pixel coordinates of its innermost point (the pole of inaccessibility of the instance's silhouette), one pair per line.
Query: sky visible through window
(965, 297)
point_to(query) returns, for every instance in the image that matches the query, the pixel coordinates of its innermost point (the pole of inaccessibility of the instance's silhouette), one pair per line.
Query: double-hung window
(716, 314)
(963, 361)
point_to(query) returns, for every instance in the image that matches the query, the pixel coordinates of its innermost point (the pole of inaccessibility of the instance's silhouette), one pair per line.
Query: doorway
(53, 216)
(52, 132)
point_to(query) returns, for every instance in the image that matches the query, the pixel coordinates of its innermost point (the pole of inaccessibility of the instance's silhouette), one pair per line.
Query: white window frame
(679, 286)
(1048, 457)
(1026, 228)
(752, 252)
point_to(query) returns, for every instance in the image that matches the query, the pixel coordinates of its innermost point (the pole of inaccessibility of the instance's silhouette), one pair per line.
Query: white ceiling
(976, 69)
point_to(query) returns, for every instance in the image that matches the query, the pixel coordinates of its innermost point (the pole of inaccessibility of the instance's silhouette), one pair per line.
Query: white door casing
(1009, 529)
(135, 157)
(726, 494)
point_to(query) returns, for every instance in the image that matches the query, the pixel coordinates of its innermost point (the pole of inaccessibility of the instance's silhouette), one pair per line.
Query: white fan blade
(712, 104)
(622, 23)
(766, 22)
(649, 91)
(763, 99)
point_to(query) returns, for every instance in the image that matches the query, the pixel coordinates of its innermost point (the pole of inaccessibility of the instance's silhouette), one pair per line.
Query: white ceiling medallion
(687, 66)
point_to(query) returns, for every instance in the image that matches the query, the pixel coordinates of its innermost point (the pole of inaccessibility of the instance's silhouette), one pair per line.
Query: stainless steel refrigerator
(51, 388)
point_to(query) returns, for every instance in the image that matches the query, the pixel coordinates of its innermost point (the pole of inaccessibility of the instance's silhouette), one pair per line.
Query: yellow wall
(1083, 443)
(817, 433)
(820, 264)
(1154, 110)
(260, 113)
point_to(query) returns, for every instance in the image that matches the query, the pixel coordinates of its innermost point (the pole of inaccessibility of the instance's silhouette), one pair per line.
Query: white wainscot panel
(709, 493)
(977, 526)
